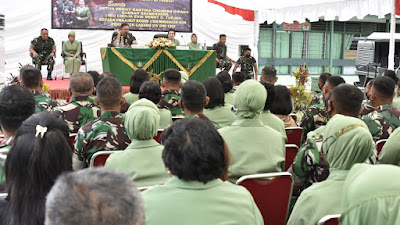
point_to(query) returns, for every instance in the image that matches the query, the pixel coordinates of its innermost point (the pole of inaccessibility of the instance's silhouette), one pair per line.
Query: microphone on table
(183, 39)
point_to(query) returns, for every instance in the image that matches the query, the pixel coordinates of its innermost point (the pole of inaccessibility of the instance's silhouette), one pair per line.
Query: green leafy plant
(300, 97)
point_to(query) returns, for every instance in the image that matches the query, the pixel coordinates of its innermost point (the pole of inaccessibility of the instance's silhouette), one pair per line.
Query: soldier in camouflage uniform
(170, 97)
(247, 63)
(224, 62)
(122, 38)
(64, 13)
(81, 109)
(43, 50)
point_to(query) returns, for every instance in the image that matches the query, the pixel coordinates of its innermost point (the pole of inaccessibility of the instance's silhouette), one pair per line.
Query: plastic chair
(294, 135)
(291, 152)
(380, 144)
(45, 64)
(272, 197)
(329, 220)
(72, 137)
(294, 116)
(83, 60)
(175, 118)
(157, 137)
(99, 158)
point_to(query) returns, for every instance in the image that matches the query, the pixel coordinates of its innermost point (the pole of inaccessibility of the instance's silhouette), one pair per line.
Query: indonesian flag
(397, 7)
(244, 13)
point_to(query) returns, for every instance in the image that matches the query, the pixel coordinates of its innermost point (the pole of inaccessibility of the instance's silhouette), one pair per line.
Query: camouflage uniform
(221, 50)
(5, 146)
(79, 111)
(65, 20)
(382, 121)
(42, 102)
(106, 133)
(169, 100)
(43, 48)
(317, 100)
(314, 117)
(247, 66)
(367, 108)
(203, 117)
(127, 42)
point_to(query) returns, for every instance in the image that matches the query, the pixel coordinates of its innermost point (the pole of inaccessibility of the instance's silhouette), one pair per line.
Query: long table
(123, 61)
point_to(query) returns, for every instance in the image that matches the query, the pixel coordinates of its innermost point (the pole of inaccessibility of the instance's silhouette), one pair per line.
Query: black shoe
(49, 77)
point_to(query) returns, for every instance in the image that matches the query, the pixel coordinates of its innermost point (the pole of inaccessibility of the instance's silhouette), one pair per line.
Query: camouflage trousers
(224, 64)
(42, 58)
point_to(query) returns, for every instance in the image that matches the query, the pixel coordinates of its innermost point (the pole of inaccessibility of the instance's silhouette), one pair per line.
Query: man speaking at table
(122, 38)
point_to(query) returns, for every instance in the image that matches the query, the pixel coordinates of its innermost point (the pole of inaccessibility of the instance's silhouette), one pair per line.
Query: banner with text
(143, 15)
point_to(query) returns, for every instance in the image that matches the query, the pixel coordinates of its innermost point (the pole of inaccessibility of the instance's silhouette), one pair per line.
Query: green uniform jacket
(165, 118)
(274, 122)
(221, 114)
(181, 202)
(390, 153)
(229, 98)
(141, 160)
(254, 147)
(84, 14)
(130, 97)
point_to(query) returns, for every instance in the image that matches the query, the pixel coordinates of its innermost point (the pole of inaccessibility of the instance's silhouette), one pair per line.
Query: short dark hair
(384, 86)
(81, 82)
(172, 76)
(106, 74)
(34, 162)
(324, 76)
(171, 30)
(238, 77)
(138, 77)
(95, 75)
(348, 99)
(246, 49)
(195, 151)
(193, 95)
(109, 91)
(31, 77)
(392, 74)
(282, 104)
(334, 81)
(225, 78)
(43, 29)
(124, 24)
(270, 95)
(222, 35)
(151, 91)
(269, 73)
(215, 92)
(16, 105)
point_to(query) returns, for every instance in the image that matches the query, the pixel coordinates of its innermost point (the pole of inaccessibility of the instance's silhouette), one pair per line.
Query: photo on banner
(141, 15)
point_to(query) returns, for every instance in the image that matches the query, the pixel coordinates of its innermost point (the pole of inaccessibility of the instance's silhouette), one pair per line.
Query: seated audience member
(282, 106)
(138, 77)
(225, 78)
(371, 195)
(268, 74)
(40, 153)
(318, 100)
(390, 153)
(237, 79)
(367, 106)
(95, 196)
(96, 78)
(194, 99)
(310, 165)
(255, 148)
(106, 74)
(171, 83)
(16, 104)
(346, 142)
(142, 158)
(396, 100)
(32, 80)
(150, 90)
(81, 109)
(216, 110)
(108, 131)
(125, 105)
(385, 118)
(197, 193)
(392, 75)
(315, 117)
(267, 117)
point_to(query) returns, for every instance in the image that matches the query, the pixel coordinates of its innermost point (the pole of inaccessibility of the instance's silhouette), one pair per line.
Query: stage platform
(59, 88)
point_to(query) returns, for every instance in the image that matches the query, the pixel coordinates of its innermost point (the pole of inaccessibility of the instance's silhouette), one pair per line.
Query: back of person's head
(95, 75)
(250, 99)
(346, 99)
(225, 78)
(322, 79)
(106, 74)
(391, 74)
(40, 153)
(195, 151)
(142, 120)
(270, 95)
(334, 81)
(194, 96)
(95, 196)
(16, 105)
(238, 78)
(268, 74)
(172, 77)
(31, 77)
(383, 87)
(150, 90)
(81, 83)
(282, 104)
(215, 92)
(138, 77)
(109, 92)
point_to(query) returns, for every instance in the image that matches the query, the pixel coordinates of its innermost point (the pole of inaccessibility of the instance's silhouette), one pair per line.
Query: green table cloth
(123, 61)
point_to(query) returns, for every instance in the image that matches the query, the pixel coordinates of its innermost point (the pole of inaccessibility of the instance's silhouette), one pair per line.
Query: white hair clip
(40, 130)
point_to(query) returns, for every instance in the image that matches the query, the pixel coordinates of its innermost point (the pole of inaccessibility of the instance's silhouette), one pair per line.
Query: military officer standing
(43, 50)
(224, 62)
(247, 62)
